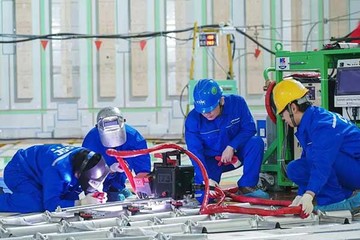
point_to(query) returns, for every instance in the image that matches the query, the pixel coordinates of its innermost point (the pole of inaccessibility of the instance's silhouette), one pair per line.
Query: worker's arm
(55, 190)
(244, 124)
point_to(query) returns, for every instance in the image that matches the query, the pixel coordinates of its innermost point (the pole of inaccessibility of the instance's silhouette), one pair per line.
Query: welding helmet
(207, 94)
(91, 170)
(286, 92)
(111, 126)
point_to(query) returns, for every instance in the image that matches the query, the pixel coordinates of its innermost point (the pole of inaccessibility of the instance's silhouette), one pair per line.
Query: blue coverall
(115, 182)
(234, 127)
(329, 164)
(40, 178)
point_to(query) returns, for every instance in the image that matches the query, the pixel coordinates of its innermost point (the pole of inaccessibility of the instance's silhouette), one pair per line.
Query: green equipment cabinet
(329, 64)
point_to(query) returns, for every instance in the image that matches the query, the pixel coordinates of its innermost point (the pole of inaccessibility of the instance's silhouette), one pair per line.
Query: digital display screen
(348, 81)
(164, 178)
(208, 40)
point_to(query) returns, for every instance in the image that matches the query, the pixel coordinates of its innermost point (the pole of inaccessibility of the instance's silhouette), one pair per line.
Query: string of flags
(98, 44)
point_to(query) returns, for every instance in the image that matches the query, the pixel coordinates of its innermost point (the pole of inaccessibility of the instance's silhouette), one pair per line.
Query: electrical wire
(181, 99)
(212, 56)
(309, 33)
(252, 39)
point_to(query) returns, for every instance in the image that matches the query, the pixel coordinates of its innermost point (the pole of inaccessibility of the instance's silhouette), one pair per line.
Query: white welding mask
(111, 127)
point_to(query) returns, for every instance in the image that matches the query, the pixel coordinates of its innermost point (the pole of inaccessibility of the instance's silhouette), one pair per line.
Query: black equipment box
(171, 179)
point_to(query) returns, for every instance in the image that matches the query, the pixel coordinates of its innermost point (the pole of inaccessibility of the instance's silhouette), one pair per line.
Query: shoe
(126, 192)
(351, 203)
(354, 201)
(252, 192)
(115, 196)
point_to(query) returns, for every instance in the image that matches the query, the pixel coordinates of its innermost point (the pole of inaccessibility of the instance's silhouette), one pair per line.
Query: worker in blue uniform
(329, 166)
(43, 177)
(222, 127)
(111, 132)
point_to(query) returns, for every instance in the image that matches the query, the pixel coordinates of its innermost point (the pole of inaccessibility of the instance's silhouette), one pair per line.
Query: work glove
(234, 161)
(115, 167)
(93, 198)
(118, 195)
(306, 202)
(296, 201)
(212, 185)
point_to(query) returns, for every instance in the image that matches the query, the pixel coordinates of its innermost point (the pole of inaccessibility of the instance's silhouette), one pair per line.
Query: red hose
(133, 153)
(268, 99)
(124, 166)
(259, 201)
(220, 194)
(212, 208)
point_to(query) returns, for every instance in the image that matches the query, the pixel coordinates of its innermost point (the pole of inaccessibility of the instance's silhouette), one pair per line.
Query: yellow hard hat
(287, 91)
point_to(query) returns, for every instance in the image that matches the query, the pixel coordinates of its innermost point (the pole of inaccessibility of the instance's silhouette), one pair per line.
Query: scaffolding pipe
(292, 221)
(24, 220)
(90, 225)
(29, 230)
(74, 236)
(166, 229)
(188, 236)
(184, 219)
(231, 225)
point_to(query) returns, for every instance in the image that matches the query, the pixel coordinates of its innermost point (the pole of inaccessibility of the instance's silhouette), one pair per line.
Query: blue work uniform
(115, 182)
(40, 178)
(329, 164)
(234, 127)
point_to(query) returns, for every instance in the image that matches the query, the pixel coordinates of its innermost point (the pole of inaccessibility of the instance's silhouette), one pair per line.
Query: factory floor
(228, 226)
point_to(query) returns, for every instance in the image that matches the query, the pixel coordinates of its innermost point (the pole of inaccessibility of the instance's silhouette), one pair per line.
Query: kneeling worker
(219, 130)
(43, 177)
(112, 132)
(329, 166)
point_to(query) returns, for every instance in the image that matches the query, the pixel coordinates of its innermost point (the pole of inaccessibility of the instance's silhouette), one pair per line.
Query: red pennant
(142, 44)
(98, 44)
(257, 52)
(44, 43)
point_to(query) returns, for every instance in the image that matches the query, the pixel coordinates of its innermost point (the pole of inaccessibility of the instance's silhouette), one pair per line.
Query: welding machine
(170, 179)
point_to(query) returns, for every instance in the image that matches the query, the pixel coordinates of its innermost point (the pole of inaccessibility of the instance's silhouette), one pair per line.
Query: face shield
(91, 180)
(112, 131)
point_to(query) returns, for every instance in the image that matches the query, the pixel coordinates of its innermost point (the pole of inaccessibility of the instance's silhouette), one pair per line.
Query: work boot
(350, 204)
(252, 192)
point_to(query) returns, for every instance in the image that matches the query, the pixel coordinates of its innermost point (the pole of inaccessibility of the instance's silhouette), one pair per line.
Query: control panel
(347, 92)
(342, 63)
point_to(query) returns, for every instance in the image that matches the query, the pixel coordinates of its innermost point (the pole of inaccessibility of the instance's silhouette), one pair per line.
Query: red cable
(124, 166)
(259, 201)
(133, 153)
(268, 99)
(213, 208)
(220, 194)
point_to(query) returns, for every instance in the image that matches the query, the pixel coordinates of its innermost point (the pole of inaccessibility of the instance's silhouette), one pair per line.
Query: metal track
(159, 220)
